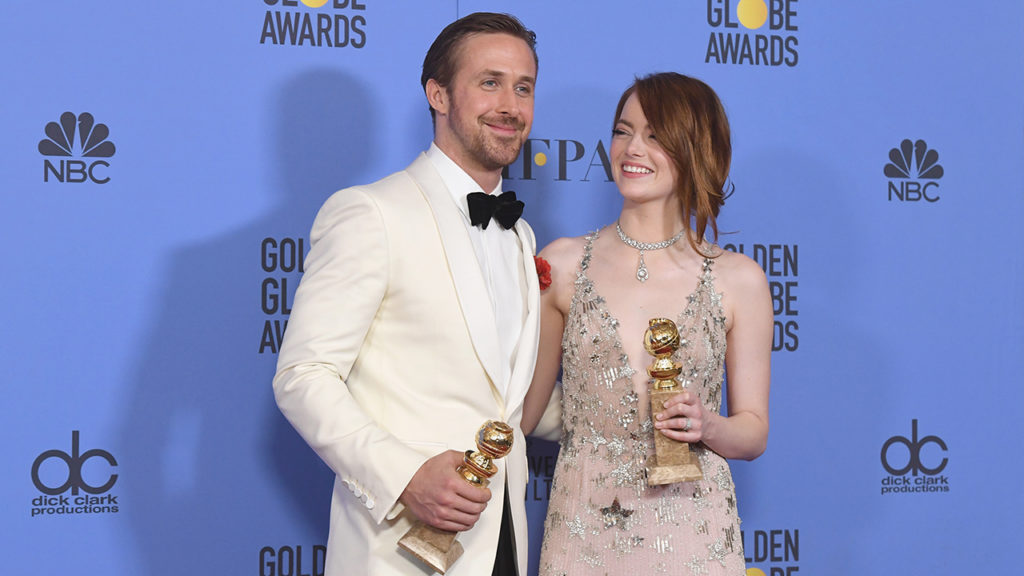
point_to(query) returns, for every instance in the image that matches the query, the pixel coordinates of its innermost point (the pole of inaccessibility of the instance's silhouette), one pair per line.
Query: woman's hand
(683, 418)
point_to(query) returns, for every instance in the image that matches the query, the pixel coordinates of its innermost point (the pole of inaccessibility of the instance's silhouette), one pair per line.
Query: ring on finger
(688, 425)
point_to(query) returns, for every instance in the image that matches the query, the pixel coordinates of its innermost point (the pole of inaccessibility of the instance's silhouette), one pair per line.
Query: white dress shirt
(501, 261)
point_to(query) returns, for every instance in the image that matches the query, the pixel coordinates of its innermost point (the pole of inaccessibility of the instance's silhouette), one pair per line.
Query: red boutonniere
(543, 272)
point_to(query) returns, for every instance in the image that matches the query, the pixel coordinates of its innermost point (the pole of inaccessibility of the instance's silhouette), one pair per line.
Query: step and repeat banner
(162, 164)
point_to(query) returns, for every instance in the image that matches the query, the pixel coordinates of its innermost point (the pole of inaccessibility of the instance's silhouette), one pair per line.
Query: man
(412, 327)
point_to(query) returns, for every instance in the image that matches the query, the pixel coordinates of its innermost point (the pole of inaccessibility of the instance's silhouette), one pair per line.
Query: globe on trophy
(438, 548)
(672, 461)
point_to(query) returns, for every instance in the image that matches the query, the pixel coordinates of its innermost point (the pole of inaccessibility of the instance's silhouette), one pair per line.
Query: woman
(670, 155)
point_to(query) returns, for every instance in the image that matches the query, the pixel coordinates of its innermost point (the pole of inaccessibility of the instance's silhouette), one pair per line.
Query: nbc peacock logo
(913, 169)
(76, 136)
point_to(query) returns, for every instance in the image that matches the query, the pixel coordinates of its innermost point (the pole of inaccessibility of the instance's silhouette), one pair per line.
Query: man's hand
(441, 497)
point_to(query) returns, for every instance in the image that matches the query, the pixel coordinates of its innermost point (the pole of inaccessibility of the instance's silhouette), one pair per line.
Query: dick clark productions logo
(71, 478)
(925, 456)
(76, 136)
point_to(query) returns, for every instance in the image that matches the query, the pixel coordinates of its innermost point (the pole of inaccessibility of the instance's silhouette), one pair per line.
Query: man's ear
(437, 97)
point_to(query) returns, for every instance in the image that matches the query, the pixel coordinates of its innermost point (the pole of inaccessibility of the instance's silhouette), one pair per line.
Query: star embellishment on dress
(576, 528)
(615, 515)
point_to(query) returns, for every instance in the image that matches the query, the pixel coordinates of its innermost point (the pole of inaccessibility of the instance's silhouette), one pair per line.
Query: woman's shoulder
(737, 270)
(564, 250)
(559, 261)
(563, 255)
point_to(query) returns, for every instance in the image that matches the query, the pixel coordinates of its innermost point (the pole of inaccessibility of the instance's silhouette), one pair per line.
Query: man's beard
(496, 152)
(490, 150)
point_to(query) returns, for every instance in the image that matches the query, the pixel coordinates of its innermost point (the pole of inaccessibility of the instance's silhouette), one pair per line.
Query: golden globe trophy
(672, 460)
(438, 548)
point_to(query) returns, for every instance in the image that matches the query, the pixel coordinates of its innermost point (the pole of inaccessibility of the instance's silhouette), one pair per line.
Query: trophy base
(660, 475)
(672, 461)
(436, 548)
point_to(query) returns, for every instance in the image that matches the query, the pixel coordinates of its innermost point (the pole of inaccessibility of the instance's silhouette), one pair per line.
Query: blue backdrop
(163, 162)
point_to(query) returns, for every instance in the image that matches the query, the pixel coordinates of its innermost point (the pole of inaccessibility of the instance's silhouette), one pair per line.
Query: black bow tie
(503, 208)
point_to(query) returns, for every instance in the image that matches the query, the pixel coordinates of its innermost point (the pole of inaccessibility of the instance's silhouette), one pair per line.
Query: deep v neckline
(606, 312)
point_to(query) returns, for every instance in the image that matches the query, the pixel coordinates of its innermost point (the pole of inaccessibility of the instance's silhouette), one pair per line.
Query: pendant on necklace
(641, 269)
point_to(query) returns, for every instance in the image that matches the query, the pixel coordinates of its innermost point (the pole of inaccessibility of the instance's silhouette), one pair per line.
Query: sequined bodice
(602, 517)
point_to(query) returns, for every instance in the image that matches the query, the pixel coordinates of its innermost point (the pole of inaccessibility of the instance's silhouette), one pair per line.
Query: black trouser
(505, 561)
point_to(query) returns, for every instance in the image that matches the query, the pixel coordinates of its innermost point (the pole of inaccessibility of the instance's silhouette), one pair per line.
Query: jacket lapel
(463, 266)
(526, 350)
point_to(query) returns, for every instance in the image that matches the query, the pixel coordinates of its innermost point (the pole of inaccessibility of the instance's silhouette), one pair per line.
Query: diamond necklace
(641, 268)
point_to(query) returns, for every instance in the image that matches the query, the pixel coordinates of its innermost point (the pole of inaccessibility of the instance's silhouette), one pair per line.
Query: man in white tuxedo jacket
(412, 327)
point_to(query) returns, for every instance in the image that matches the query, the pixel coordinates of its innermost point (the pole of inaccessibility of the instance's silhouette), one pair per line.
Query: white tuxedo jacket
(391, 356)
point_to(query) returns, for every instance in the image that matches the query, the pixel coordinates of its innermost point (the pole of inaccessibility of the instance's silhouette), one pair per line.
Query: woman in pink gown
(670, 156)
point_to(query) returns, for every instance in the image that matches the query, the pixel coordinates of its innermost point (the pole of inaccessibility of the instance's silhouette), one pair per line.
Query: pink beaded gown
(603, 518)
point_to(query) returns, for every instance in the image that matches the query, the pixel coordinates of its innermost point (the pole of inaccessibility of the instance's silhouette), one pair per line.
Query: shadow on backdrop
(208, 455)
